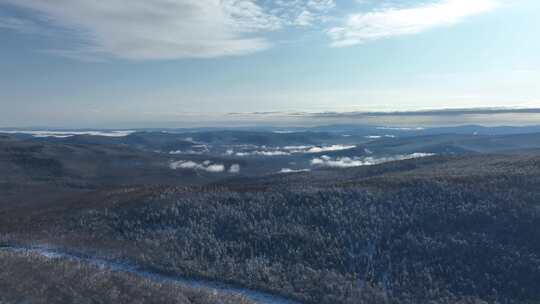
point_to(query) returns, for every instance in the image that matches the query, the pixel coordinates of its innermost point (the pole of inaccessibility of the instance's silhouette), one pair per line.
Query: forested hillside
(434, 230)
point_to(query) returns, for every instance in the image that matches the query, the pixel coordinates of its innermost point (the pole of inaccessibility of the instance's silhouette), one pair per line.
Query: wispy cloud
(321, 5)
(302, 13)
(156, 29)
(17, 24)
(166, 29)
(366, 26)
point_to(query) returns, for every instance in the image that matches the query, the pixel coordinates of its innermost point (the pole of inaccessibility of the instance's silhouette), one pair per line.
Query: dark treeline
(428, 235)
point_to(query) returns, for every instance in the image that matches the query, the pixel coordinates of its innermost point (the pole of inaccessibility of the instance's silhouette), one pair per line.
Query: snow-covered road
(255, 296)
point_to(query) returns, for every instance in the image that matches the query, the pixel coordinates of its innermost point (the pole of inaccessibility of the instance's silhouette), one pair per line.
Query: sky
(70, 63)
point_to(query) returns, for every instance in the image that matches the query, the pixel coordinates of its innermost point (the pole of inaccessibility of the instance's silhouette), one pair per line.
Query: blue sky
(97, 63)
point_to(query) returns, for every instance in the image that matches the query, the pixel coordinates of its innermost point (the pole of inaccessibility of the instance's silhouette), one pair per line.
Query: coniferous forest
(438, 229)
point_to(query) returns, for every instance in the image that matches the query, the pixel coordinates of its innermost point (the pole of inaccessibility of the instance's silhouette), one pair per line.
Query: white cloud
(401, 128)
(215, 168)
(306, 18)
(284, 132)
(348, 162)
(17, 24)
(156, 29)
(65, 134)
(235, 168)
(263, 153)
(379, 136)
(318, 149)
(362, 27)
(163, 29)
(195, 149)
(303, 13)
(288, 170)
(289, 150)
(191, 165)
(321, 5)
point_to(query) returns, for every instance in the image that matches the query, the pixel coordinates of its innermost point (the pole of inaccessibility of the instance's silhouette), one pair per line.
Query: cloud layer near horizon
(349, 162)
